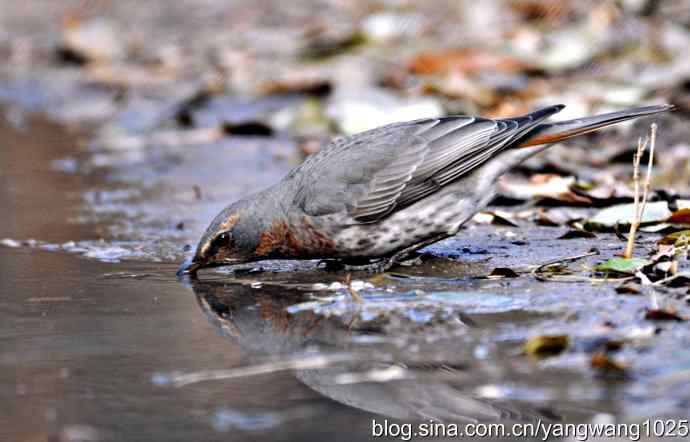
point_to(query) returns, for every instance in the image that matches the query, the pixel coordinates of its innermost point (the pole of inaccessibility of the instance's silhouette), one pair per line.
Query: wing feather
(372, 174)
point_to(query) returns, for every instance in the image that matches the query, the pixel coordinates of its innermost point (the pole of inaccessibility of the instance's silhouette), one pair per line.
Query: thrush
(376, 197)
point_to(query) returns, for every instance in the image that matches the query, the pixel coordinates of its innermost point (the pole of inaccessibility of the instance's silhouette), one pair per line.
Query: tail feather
(547, 133)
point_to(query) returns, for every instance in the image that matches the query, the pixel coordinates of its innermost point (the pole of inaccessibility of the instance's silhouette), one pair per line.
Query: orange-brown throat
(282, 240)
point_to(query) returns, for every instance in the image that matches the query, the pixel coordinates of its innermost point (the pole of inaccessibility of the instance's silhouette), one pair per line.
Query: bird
(371, 200)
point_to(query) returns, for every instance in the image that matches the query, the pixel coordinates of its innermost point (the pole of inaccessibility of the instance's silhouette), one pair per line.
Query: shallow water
(100, 341)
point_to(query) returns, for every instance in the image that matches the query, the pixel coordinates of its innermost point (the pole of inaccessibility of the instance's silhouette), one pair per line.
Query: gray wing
(375, 173)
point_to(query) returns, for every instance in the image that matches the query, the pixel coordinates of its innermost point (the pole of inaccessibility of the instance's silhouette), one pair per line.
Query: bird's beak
(188, 267)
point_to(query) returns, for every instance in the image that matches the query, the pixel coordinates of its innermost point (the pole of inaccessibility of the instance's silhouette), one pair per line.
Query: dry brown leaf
(681, 216)
(628, 289)
(494, 217)
(679, 239)
(604, 363)
(543, 219)
(507, 109)
(465, 61)
(577, 233)
(552, 12)
(667, 314)
(503, 272)
(549, 185)
(311, 85)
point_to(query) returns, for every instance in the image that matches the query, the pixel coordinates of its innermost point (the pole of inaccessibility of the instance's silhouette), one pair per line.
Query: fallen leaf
(555, 217)
(249, 128)
(551, 186)
(678, 239)
(629, 289)
(308, 85)
(664, 251)
(541, 11)
(606, 364)
(663, 315)
(577, 233)
(325, 46)
(95, 40)
(667, 267)
(681, 216)
(379, 279)
(622, 265)
(605, 194)
(548, 345)
(679, 279)
(489, 217)
(613, 345)
(466, 61)
(503, 272)
(507, 109)
(624, 214)
(544, 220)
(655, 228)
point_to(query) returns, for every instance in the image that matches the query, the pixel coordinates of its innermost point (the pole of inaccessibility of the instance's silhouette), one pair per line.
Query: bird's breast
(434, 217)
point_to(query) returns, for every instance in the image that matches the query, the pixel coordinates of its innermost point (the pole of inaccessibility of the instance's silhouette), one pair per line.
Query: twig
(640, 207)
(668, 279)
(537, 271)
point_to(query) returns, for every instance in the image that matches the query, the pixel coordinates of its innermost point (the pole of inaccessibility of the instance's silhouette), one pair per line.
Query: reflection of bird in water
(376, 197)
(258, 321)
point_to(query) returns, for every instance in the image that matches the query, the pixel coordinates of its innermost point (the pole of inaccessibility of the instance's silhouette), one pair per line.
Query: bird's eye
(222, 240)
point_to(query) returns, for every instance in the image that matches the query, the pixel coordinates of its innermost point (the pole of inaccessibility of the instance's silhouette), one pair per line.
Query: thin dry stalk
(640, 205)
(354, 293)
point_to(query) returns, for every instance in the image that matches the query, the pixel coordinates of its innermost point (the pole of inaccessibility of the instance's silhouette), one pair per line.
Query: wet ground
(123, 133)
(101, 342)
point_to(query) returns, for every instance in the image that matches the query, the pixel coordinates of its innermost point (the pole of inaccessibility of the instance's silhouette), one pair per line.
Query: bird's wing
(375, 173)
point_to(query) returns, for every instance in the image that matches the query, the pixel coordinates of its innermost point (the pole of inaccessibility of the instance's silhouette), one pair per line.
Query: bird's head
(228, 240)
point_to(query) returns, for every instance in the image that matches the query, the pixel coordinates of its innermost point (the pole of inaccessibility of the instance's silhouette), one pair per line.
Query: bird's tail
(547, 133)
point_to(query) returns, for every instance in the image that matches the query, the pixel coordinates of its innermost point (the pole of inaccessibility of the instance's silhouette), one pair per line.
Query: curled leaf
(548, 345)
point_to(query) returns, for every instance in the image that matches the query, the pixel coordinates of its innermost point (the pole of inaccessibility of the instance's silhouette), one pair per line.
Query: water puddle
(92, 311)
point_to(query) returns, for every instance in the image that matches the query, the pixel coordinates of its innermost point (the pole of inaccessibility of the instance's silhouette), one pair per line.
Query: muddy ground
(124, 131)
